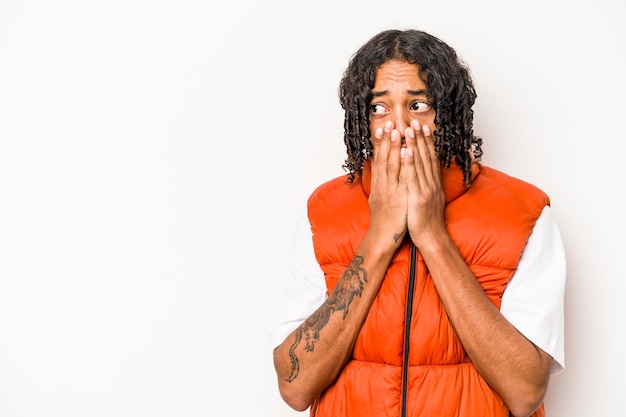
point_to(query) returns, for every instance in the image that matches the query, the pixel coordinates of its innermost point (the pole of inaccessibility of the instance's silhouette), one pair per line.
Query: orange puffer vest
(490, 223)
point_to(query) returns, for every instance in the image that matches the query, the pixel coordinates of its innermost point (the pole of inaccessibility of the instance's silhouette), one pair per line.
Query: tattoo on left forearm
(349, 286)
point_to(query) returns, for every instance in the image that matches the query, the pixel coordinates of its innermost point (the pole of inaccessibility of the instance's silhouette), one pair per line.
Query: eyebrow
(422, 92)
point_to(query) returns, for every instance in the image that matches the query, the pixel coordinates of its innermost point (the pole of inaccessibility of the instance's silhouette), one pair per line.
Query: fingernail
(426, 130)
(379, 133)
(388, 126)
(402, 152)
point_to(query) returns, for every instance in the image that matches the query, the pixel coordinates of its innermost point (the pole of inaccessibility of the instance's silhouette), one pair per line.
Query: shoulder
(334, 191)
(511, 187)
(338, 213)
(492, 221)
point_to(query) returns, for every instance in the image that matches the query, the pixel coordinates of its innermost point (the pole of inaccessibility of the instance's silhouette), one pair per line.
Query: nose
(402, 120)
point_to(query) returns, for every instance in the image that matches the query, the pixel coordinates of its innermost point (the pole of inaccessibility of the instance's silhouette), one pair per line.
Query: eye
(420, 106)
(378, 109)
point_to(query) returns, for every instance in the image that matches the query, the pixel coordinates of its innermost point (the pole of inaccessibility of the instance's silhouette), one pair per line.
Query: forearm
(310, 359)
(513, 366)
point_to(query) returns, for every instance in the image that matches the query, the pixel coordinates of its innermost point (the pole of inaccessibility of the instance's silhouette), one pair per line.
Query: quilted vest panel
(490, 223)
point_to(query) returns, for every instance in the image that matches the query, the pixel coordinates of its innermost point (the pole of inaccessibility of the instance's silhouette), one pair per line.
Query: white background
(153, 155)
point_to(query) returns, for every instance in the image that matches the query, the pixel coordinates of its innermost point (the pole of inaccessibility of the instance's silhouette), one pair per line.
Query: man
(423, 283)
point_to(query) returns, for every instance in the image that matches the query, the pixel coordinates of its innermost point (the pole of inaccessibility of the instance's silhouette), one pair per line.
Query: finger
(434, 159)
(387, 156)
(425, 153)
(381, 152)
(393, 161)
(413, 139)
(409, 164)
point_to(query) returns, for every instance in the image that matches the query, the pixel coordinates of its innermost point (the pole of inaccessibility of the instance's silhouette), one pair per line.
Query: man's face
(399, 95)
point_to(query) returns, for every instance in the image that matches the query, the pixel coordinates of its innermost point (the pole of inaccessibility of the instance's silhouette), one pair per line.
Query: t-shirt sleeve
(303, 289)
(533, 299)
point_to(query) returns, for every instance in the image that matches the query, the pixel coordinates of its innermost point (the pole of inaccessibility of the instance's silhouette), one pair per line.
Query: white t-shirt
(532, 301)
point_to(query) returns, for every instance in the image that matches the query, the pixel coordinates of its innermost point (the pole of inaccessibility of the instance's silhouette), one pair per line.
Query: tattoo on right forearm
(397, 236)
(349, 286)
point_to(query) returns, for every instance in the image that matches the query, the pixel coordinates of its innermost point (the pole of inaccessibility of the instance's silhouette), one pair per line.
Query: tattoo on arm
(349, 286)
(397, 236)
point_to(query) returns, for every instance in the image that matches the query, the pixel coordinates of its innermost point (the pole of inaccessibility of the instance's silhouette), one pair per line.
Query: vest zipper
(407, 329)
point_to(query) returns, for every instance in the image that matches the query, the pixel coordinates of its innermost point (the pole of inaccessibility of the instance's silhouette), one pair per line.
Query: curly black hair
(449, 88)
